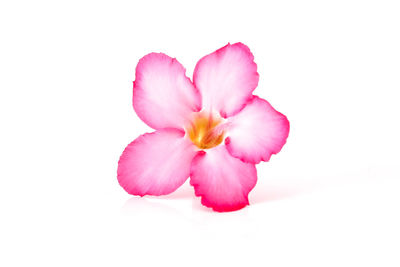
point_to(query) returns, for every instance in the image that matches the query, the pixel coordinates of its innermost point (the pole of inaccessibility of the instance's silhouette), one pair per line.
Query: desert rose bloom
(212, 130)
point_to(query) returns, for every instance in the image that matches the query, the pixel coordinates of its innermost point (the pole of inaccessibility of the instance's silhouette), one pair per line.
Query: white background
(330, 198)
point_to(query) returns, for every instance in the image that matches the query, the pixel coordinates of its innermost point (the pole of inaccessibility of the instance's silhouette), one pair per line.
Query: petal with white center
(156, 163)
(226, 78)
(256, 132)
(222, 181)
(163, 97)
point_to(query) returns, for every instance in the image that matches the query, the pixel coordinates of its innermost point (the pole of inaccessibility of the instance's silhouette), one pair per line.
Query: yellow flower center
(204, 131)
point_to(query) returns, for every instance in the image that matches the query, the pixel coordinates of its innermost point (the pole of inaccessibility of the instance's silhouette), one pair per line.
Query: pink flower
(212, 129)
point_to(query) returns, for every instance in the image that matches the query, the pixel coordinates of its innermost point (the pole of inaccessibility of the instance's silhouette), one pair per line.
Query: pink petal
(226, 78)
(163, 97)
(156, 163)
(222, 181)
(257, 132)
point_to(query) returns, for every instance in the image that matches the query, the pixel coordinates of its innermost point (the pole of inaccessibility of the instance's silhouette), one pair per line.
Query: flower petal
(222, 181)
(156, 163)
(163, 97)
(256, 132)
(226, 78)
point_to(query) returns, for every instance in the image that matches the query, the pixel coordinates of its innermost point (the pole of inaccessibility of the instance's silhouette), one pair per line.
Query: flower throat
(205, 131)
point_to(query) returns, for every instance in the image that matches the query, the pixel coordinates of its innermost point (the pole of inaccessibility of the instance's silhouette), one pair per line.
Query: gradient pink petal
(226, 78)
(163, 97)
(156, 163)
(222, 181)
(256, 132)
